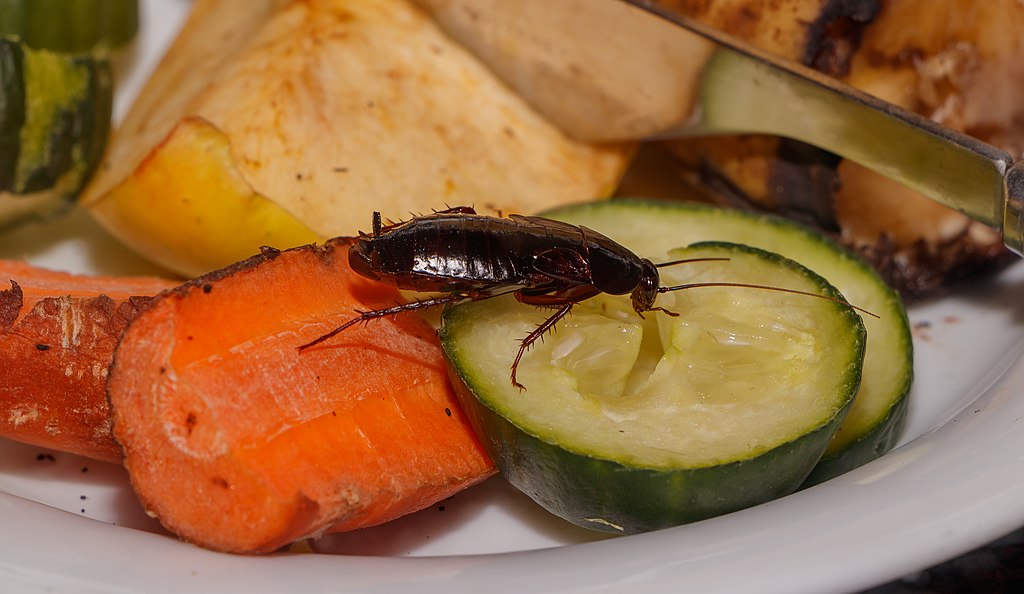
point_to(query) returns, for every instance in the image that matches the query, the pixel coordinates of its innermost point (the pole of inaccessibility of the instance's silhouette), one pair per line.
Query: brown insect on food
(542, 262)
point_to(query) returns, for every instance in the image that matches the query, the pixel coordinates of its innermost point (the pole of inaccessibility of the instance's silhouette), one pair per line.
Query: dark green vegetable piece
(55, 113)
(71, 26)
(55, 98)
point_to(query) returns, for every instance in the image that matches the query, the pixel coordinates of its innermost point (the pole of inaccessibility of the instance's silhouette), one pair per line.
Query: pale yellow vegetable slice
(331, 109)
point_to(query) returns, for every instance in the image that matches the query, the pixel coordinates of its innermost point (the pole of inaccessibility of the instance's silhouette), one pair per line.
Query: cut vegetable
(957, 62)
(203, 220)
(631, 424)
(326, 110)
(875, 422)
(57, 337)
(71, 26)
(238, 442)
(54, 122)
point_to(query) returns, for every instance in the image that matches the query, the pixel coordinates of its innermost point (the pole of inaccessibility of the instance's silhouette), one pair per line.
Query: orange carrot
(57, 337)
(238, 442)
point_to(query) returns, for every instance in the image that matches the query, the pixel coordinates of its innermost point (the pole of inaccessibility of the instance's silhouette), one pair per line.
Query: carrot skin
(57, 337)
(238, 442)
(38, 283)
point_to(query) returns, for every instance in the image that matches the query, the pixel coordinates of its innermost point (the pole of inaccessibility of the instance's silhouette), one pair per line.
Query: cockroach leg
(537, 333)
(366, 316)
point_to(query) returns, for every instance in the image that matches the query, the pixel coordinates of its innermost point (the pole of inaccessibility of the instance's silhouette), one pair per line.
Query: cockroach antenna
(766, 288)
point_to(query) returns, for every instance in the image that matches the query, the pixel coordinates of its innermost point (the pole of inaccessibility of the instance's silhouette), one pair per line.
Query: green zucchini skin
(57, 98)
(651, 227)
(12, 108)
(71, 26)
(609, 494)
(872, 443)
(54, 124)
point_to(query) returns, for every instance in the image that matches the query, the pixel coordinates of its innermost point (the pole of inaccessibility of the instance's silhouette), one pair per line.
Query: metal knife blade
(607, 70)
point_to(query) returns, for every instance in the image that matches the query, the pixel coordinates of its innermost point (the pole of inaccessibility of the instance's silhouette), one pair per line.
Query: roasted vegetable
(57, 337)
(238, 442)
(55, 98)
(71, 26)
(879, 412)
(959, 64)
(952, 60)
(314, 114)
(631, 424)
(54, 118)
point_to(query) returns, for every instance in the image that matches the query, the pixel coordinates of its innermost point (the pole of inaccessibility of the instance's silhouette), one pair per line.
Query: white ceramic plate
(956, 482)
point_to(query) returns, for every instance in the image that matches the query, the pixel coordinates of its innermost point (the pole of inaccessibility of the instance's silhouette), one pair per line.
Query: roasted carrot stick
(238, 442)
(57, 338)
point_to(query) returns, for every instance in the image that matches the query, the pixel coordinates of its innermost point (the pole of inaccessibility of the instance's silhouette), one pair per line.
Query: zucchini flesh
(631, 424)
(877, 418)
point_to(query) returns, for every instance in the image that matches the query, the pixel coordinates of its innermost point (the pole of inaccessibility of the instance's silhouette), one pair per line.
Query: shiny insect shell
(470, 257)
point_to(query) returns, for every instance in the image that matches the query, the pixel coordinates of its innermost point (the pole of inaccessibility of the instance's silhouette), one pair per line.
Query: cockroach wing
(563, 264)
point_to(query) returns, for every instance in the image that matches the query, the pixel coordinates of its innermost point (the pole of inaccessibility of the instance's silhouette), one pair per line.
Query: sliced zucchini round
(875, 423)
(630, 424)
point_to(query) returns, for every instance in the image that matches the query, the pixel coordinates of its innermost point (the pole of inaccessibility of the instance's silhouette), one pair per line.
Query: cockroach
(542, 262)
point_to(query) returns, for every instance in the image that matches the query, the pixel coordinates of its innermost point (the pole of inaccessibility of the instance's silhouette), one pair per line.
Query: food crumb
(42, 347)
(45, 457)
(300, 546)
(447, 411)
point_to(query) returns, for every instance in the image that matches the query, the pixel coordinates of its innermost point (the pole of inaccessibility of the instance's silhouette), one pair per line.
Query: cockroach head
(646, 291)
(361, 257)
